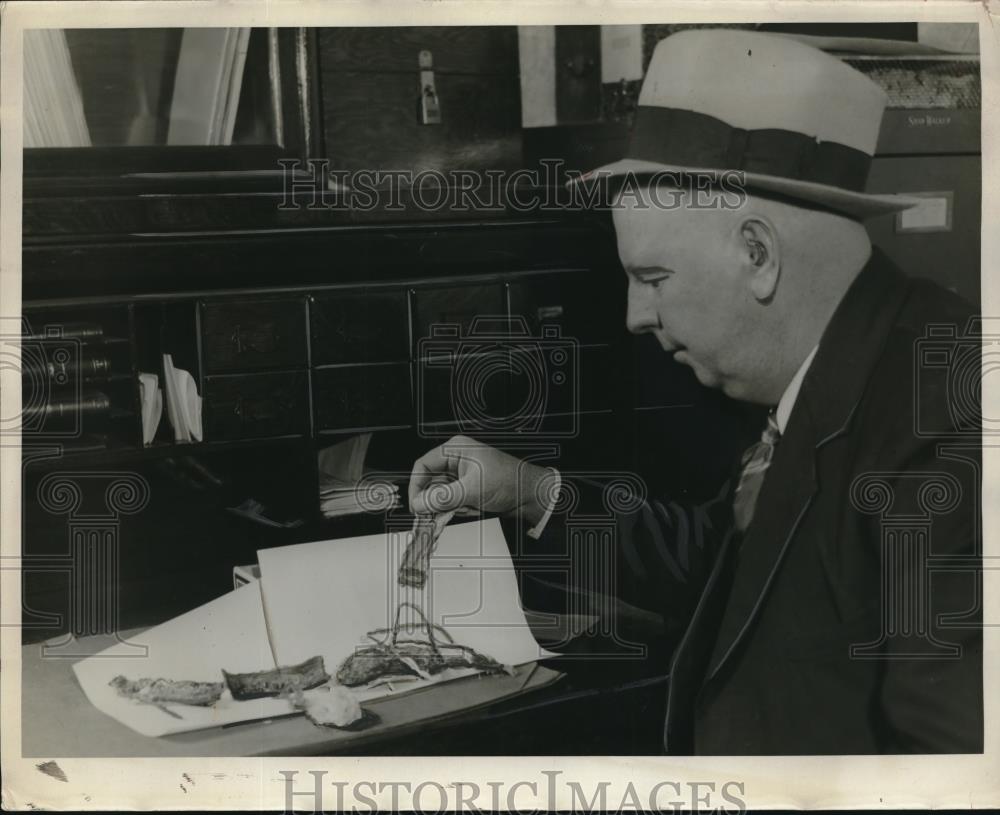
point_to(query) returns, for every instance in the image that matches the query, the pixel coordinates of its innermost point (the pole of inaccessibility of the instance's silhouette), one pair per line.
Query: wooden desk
(583, 714)
(58, 720)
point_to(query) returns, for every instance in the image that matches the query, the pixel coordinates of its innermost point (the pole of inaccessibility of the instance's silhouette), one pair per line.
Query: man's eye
(654, 280)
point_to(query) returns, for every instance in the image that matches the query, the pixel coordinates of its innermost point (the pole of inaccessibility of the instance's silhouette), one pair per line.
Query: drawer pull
(262, 341)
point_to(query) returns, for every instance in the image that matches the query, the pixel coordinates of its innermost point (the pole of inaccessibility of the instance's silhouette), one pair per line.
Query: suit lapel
(830, 393)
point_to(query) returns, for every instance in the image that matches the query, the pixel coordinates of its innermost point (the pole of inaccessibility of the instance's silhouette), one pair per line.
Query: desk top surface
(58, 720)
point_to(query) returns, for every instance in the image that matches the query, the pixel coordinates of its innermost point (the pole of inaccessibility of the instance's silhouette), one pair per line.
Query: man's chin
(706, 378)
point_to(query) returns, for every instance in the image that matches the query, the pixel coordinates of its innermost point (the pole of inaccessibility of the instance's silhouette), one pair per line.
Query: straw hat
(795, 120)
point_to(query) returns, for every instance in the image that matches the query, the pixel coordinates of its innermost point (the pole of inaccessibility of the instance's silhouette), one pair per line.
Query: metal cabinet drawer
(370, 326)
(362, 396)
(253, 335)
(255, 405)
(586, 308)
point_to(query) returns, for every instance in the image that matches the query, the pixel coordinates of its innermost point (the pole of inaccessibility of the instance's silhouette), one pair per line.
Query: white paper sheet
(324, 597)
(152, 405)
(228, 632)
(183, 402)
(318, 598)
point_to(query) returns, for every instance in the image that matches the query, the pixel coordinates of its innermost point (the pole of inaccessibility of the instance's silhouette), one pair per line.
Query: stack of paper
(183, 402)
(344, 486)
(372, 494)
(319, 599)
(207, 85)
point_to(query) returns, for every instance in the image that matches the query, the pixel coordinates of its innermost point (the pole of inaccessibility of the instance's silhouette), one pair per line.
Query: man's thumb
(438, 498)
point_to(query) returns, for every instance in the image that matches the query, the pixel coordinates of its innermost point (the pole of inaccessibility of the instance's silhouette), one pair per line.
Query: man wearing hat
(828, 601)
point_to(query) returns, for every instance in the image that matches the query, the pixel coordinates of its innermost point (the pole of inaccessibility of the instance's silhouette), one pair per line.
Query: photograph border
(828, 782)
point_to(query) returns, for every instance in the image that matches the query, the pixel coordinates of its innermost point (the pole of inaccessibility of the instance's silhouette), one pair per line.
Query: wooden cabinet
(457, 311)
(78, 377)
(370, 88)
(493, 355)
(250, 406)
(568, 302)
(361, 397)
(253, 335)
(360, 326)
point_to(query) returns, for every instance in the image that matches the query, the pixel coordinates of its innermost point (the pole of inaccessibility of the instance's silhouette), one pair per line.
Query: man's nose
(641, 316)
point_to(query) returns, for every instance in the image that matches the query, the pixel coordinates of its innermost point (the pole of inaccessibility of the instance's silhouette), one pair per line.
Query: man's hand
(465, 474)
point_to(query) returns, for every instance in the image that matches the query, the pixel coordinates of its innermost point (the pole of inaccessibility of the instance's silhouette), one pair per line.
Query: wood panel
(361, 256)
(256, 405)
(371, 95)
(362, 396)
(372, 122)
(254, 335)
(456, 49)
(578, 73)
(367, 326)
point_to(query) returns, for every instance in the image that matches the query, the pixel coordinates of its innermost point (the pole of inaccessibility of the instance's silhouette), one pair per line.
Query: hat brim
(854, 204)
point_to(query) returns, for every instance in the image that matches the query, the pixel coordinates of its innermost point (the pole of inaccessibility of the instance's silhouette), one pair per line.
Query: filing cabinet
(248, 406)
(564, 380)
(253, 335)
(566, 300)
(494, 353)
(463, 390)
(360, 326)
(352, 397)
(459, 306)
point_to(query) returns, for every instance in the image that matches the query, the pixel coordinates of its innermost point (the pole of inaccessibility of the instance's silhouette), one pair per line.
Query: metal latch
(430, 108)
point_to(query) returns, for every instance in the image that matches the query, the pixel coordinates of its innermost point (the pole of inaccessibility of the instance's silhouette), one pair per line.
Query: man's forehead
(644, 240)
(643, 221)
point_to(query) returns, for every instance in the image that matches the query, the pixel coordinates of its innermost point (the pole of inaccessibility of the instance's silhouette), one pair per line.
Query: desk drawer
(469, 390)
(256, 405)
(457, 306)
(587, 308)
(561, 379)
(369, 326)
(253, 335)
(356, 396)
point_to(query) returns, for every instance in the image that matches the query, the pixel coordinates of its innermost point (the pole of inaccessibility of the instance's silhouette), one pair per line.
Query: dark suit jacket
(846, 620)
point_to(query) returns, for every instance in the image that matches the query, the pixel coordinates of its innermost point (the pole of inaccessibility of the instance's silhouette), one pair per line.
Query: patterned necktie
(756, 460)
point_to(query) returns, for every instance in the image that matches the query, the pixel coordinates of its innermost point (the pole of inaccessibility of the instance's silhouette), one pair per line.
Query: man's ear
(763, 256)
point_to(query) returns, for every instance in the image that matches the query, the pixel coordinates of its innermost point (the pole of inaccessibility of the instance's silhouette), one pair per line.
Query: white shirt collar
(784, 409)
